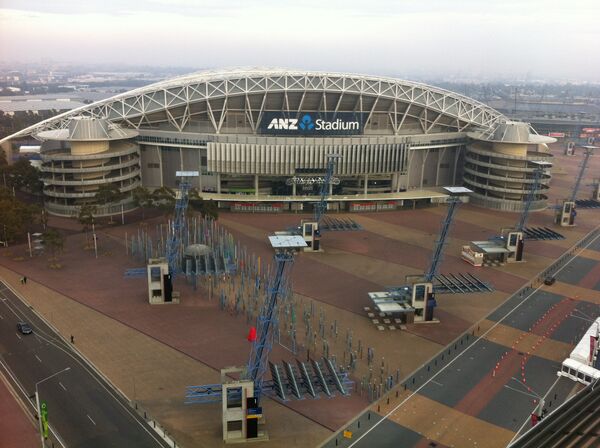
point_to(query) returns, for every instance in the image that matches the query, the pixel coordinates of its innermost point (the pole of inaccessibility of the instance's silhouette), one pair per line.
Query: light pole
(37, 401)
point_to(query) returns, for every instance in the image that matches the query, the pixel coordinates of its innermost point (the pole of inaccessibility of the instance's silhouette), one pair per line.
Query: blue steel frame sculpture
(267, 323)
(321, 206)
(453, 202)
(178, 231)
(537, 177)
(586, 157)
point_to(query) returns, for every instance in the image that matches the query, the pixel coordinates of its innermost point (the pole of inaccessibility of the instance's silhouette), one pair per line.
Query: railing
(62, 155)
(499, 166)
(505, 205)
(96, 181)
(91, 194)
(530, 156)
(110, 166)
(73, 210)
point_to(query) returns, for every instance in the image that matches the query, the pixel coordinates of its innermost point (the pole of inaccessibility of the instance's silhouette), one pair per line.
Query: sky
(487, 39)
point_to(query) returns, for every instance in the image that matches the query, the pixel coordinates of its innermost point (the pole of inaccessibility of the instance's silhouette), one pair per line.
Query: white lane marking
(479, 340)
(18, 335)
(38, 358)
(435, 382)
(520, 391)
(528, 419)
(1, 317)
(61, 385)
(91, 420)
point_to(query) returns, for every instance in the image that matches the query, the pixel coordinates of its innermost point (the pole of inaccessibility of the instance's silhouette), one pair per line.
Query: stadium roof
(176, 100)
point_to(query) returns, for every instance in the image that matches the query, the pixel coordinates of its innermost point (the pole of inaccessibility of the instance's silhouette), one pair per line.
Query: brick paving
(17, 430)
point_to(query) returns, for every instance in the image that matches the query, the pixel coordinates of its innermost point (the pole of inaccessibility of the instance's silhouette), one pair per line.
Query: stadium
(247, 132)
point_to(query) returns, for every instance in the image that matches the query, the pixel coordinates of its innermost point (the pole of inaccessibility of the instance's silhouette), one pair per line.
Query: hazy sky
(557, 39)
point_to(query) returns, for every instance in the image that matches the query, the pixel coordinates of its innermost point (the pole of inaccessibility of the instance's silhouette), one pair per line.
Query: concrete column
(456, 157)
(423, 168)
(293, 189)
(218, 183)
(366, 184)
(162, 182)
(256, 185)
(330, 189)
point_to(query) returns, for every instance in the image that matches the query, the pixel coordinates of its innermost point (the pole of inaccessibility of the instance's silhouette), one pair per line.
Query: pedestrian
(72, 339)
(21, 280)
(24, 280)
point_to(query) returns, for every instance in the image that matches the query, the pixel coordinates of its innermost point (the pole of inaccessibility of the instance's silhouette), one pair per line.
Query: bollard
(428, 368)
(369, 416)
(358, 424)
(413, 380)
(378, 408)
(396, 394)
(388, 400)
(336, 441)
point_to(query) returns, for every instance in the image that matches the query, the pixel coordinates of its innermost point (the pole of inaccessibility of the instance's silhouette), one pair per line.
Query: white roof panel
(287, 241)
(458, 190)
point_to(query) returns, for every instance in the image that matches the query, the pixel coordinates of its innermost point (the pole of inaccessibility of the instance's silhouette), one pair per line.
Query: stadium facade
(249, 131)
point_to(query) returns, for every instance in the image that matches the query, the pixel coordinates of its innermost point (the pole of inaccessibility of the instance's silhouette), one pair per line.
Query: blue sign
(312, 123)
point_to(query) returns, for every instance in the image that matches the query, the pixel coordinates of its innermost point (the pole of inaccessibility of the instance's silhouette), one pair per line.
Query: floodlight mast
(538, 171)
(285, 249)
(588, 151)
(453, 202)
(321, 206)
(178, 233)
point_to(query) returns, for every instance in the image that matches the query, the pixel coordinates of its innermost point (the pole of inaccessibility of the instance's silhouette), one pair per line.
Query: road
(480, 391)
(82, 408)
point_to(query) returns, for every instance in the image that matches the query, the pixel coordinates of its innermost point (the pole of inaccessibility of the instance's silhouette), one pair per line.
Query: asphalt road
(451, 380)
(82, 408)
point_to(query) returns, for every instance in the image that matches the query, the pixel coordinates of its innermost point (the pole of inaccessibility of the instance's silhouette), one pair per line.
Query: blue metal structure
(267, 323)
(586, 157)
(537, 176)
(453, 202)
(178, 227)
(321, 206)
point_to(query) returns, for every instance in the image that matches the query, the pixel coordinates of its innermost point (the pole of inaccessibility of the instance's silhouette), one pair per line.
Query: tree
(86, 219)
(3, 161)
(21, 175)
(15, 216)
(54, 241)
(205, 208)
(108, 194)
(164, 199)
(142, 198)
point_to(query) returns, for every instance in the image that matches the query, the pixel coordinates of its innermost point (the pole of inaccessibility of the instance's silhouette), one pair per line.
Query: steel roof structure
(252, 91)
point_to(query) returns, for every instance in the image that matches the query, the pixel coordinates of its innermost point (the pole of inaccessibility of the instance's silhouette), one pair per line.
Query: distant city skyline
(470, 39)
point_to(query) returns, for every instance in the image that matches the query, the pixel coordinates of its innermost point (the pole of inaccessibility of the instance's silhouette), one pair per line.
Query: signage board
(312, 123)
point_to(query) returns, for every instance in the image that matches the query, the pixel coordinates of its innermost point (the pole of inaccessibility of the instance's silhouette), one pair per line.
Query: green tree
(54, 241)
(86, 219)
(205, 208)
(108, 194)
(163, 198)
(143, 199)
(16, 217)
(21, 175)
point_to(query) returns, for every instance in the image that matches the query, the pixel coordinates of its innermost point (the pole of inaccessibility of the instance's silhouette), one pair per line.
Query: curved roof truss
(176, 100)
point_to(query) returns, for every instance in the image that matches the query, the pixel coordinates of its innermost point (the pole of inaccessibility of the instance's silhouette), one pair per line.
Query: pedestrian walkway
(151, 374)
(17, 429)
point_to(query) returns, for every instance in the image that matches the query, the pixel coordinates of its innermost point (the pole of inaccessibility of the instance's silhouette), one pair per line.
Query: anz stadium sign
(312, 123)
